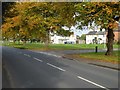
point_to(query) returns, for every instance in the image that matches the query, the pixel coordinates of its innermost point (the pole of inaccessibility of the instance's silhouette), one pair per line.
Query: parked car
(69, 42)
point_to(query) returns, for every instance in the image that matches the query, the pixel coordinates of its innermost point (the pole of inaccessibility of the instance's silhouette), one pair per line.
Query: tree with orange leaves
(104, 14)
(32, 19)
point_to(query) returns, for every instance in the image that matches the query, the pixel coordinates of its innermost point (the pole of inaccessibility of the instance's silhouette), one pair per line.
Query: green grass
(101, 56)
(93, 55)
(0, 43)
(57, 46)
(25, 46)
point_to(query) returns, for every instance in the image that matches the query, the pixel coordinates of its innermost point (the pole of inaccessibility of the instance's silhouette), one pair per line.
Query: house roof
(96, 33)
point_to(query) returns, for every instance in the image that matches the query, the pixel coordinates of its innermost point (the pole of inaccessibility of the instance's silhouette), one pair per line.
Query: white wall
(89, 39)
(60, 39)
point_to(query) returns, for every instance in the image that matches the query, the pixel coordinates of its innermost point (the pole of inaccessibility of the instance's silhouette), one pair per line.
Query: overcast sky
(84, 30)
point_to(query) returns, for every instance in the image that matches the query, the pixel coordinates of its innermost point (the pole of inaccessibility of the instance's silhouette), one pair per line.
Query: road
(27, 69)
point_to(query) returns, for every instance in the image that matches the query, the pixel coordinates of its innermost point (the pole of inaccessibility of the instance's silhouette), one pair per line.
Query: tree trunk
(110, 40)
(24, 40)
(46, 42)
(47, 39)
(14, 41)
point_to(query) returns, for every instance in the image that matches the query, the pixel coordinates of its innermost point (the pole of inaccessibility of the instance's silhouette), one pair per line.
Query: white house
(55, 39)
(97, 37)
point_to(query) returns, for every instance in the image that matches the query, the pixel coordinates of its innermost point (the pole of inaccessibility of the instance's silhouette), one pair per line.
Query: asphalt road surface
(27, 69)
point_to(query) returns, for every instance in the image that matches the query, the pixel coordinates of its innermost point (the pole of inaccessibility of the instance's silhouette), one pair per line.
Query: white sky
(77, 31)
(85, 29)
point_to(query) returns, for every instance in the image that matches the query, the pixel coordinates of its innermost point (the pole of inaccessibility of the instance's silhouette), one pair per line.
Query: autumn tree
(39, 19)
(104, 14)
(83, 37)
(5, 14)
(64, 33)
(6, 6)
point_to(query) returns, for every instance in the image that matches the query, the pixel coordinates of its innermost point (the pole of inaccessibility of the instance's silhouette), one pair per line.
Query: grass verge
(92, 56)
(38, 46)
(100, 56)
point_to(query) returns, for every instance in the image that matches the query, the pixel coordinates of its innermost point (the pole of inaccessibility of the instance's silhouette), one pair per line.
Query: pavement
(31, 69)
(68, 54)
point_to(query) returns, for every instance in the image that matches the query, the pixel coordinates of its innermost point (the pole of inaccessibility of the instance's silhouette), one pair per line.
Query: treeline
(29, 20)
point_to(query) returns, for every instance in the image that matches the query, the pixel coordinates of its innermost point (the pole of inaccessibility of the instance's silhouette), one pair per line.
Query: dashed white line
(65, 70)
(56, 67)
(50, 54)
(92, 83)
(27, 55)
(37, 59)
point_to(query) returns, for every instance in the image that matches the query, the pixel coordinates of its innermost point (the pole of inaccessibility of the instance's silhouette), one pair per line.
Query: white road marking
(56, 67)
(92, 83)
(37, 59)
(27, 55)
(50, 54)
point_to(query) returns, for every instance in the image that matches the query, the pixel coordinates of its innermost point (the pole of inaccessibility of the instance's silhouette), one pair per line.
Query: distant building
(96, 37)
(55, 39)
(117, 36)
